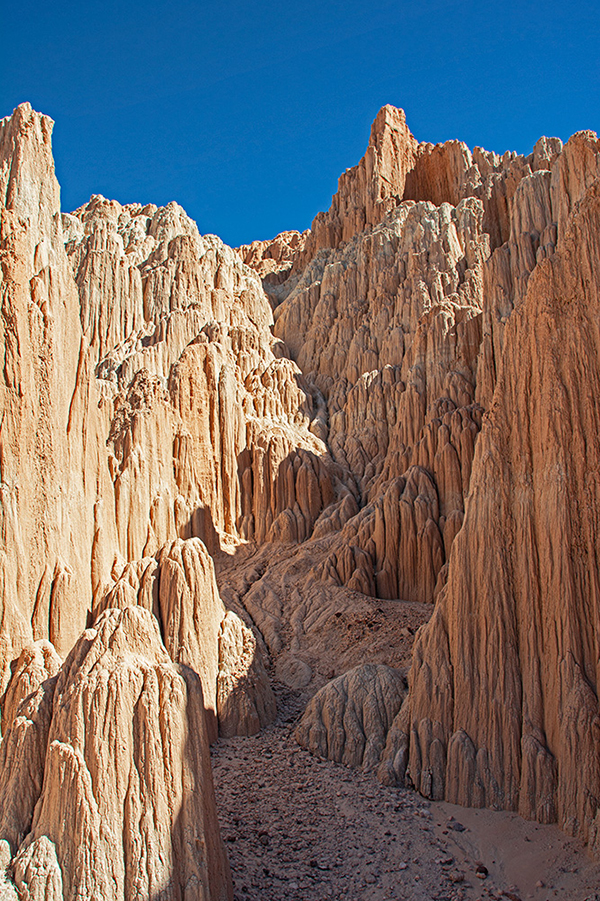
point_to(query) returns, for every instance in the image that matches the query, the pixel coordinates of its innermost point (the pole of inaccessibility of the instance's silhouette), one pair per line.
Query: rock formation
(26, 716)
(474, 291)
(127, 806)
(218, 465)
(245, 699)
(273, 260)
(526, 741)
(349, 718)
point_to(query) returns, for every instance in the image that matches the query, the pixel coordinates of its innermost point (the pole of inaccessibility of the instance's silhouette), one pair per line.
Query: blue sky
(247, 112)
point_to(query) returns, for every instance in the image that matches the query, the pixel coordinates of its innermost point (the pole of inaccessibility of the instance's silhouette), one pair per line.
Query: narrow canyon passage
(305, 829)
(372, 478)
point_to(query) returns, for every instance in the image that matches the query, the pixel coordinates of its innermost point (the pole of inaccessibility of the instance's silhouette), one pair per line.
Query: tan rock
(178, 586)
(52, 470)
(523, 605)
(150, 418)
(127, 736)
(273, 260)
(36, 663)
(26, 715)
(190, 613)
(348, 719)
(245, 699)
(369, 190)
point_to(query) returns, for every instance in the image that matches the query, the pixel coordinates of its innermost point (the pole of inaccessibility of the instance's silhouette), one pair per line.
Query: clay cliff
(473, 293)
(221, 468)
(531, 593)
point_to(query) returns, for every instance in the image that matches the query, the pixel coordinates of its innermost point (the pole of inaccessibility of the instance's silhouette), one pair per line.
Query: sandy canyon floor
(300, 828)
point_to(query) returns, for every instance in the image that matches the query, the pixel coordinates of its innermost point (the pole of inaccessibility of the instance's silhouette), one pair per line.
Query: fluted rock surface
(145, 399)
(503, 711)
(389, 329)
(178, 586)
(349, 718)
(454, 302)
(26, 716)
(273, 260)
(127, 737)
(368, 191)
(320, 443)
(245, 698)
(46, 502)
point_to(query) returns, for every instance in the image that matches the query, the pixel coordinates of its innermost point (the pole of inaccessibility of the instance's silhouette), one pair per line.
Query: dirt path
(300, 828)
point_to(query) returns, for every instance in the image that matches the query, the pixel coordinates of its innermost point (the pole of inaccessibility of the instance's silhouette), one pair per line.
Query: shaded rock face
(349, 718)
(126, 737)
(245, 698)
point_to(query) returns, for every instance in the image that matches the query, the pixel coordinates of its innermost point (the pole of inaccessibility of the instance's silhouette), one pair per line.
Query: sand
(297, 827)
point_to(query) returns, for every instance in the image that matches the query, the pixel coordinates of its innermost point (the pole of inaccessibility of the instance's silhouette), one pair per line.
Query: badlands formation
(224, 471)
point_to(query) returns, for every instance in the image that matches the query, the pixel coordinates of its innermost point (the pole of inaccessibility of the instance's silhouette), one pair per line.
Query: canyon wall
(219, 466)
(505, 713)
(474, 292)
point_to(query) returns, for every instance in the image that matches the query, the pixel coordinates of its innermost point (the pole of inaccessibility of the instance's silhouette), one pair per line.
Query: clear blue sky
(247, 112)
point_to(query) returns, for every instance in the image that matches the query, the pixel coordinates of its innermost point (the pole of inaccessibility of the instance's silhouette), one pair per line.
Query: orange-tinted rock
(524, 605)
(151, 418)
(273, 260)
(26, 716)
(178, 586)
(349, 718)
(369, 190)
(245, 699)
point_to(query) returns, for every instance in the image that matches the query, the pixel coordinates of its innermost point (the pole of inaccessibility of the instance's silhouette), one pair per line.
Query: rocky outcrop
(178, 586)
(245, 699)
(525, 606)
(127, 737)
(36, 663)
(474, 291)
(26, 716)
(51, 432)
(95, 501)
(369, 190)
(321, 444)
(206, 408)
(273, 260)
(349, 718)
(145, 399)
(389, 329)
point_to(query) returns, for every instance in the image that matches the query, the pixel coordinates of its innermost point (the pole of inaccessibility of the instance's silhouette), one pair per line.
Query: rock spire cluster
(219, 467)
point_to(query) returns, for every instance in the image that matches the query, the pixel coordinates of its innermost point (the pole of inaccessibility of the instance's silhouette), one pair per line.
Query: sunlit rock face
(217, 465)
(127, 737)
(471, 290)
(526, 741)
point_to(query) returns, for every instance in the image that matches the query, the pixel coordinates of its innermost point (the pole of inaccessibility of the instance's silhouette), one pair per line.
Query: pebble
(322, 831)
